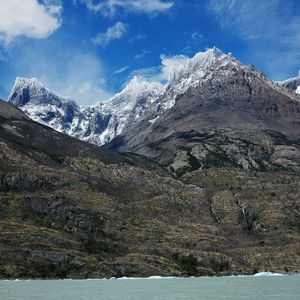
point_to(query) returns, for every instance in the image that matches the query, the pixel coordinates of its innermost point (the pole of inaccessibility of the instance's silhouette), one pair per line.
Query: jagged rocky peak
(32, 91)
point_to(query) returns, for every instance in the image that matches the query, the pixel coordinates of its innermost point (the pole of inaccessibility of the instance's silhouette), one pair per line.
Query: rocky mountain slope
(223, 114)
(97, 124)
(71, 209)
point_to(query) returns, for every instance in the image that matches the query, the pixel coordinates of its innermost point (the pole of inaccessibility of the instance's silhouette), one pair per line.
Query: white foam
(150, 277)
(262, 274)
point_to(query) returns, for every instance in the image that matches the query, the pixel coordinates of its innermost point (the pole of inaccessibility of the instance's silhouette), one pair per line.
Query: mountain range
(199, 176)
(209, 99)
(101, 123)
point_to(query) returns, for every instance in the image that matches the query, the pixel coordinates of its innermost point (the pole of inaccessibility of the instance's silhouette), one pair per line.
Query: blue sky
(88, 49)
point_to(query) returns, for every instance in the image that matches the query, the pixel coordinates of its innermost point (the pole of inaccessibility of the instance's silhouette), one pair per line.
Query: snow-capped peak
(136, 88)
(21, 81)
(99, 124)
(182, 67)
(31, 90)
(186, 73)
(128, 106)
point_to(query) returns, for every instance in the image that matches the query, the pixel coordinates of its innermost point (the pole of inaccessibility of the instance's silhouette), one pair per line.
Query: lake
(231, 288)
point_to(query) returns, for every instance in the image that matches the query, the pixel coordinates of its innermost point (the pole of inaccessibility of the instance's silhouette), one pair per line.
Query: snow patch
(154, 120)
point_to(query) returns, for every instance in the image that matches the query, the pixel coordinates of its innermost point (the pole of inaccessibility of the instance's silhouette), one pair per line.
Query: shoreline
(257, 275)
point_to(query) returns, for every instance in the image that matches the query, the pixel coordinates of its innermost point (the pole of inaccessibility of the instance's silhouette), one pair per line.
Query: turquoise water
(231, 288)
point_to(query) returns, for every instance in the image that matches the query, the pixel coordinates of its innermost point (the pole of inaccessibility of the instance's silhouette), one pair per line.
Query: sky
(89, 49)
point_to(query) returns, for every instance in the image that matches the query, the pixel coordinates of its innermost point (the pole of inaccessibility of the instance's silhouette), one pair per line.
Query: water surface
(231, 288)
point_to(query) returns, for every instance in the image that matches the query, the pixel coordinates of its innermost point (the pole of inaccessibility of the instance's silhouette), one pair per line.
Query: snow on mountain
(190, 73)
(97, 124)
(42, 105)
(122, 110)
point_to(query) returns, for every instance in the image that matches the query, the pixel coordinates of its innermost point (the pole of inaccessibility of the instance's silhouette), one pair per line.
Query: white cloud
(28, 18)
(170, 67)
(110, 7)
(121, 70)
(83, 79)
(3, 56)
(153, 74)
(117, 31)
(197, 36)
(138, 37)
(85, 87)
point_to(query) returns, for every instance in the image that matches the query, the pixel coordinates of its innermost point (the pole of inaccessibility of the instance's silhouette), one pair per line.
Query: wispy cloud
(271, 24)
(142, 54)
(115, 32)
(197, 36)
(3, 56)
(251, 19)
(195, 40)
(111, 7)
(169, 68)
(121, 70)
(31, 19)
(138, 37)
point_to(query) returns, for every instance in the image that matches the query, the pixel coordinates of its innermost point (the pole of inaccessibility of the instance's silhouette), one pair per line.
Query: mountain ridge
(101, 123)
(210, 94)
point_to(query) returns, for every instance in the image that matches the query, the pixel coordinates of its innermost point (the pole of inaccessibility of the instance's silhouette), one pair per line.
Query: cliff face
(71, 209)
